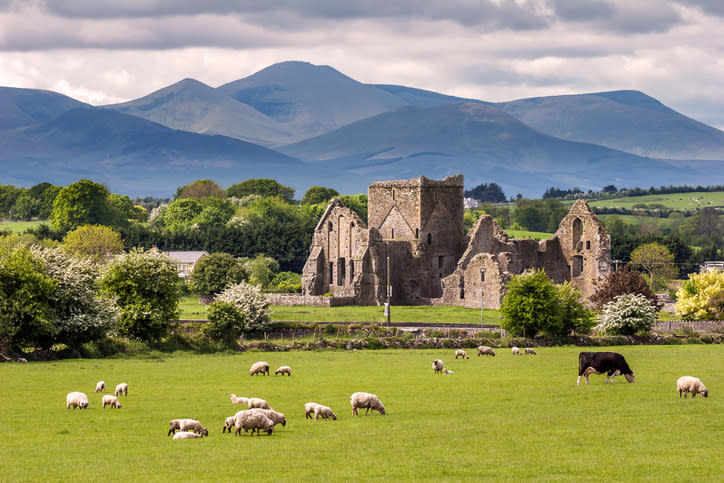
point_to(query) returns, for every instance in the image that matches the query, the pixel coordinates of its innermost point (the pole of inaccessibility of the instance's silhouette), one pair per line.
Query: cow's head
(629, 377)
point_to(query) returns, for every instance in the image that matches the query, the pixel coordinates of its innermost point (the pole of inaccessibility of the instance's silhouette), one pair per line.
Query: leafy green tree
(181, 212)
(576, 318)
(539, 215)
(701, 297)
(262, 186)
(203, 188)
(356, 203)
(36, 202)
(251, 302)
(146, 287)
(8, 196)
(657, 261)
(82, 203)
(626, 315)
(226, 321)
(287, 282)
(318, 194)
(215, 211)
(531, 305)
(96, 242)
(624, 281)
(491, 193)
(213, 273)
(261, 270)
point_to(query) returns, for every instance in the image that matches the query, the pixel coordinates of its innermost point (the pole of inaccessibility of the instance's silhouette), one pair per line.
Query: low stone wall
(314, 300)
(695, 325)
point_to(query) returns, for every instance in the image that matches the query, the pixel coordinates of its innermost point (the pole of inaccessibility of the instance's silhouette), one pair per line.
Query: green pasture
(675, 201)
(507, 417)
(535, 235)
(19, 226)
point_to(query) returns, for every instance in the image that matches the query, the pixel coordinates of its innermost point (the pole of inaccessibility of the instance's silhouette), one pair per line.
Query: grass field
(535, 235)
(496, 418)
(19, 226)
(676, 201)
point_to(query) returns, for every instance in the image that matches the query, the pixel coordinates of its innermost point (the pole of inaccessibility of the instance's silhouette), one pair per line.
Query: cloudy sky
(115, 50)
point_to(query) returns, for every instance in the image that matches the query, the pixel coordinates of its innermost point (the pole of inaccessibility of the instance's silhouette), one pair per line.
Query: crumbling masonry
(416, 245)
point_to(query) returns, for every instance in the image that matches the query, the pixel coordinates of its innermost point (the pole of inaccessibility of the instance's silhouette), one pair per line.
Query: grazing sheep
(461, 353)
(21, 359)
(110, 400)
(693, 385)
(228, 424)
(238, 399)
(437, 366)
(366, 400)
(255, 402)
(100, 386)
(276, 417)
(254, 420)
(186, 425)
(309, 409)
(485, 350)
(76, 400)
(186, 435)
(284, 370)
(447, 371)
(323, 411)
(259, 367)
(516, 351)
(530, 350)
(122, 388)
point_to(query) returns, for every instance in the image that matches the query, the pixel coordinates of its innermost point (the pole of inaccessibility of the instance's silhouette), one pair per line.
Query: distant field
(19, 226)
(676, 201)
(535, 235)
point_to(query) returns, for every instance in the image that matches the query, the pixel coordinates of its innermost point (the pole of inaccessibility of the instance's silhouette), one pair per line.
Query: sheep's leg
(368, 410)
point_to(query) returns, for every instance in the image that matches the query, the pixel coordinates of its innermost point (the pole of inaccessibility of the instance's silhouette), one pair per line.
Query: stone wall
(288, 299)
(695, 325)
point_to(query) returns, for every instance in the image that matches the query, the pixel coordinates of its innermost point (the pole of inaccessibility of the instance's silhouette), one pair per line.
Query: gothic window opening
(351, 271)
(429, 238)
(330, 273)
(341, 268)
(577, 265)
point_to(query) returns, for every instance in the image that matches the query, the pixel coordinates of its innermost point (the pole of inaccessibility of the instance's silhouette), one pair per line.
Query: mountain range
(310, 125)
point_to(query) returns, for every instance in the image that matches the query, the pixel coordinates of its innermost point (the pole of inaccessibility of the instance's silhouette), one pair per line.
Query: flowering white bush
(626, 315)
(251, 302)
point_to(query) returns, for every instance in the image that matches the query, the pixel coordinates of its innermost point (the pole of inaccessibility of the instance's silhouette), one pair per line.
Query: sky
(110, 51)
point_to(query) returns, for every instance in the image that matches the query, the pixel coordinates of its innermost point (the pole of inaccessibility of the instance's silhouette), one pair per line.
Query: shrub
(251, 302)
(226, 321)
(701, 297)
(626, 315)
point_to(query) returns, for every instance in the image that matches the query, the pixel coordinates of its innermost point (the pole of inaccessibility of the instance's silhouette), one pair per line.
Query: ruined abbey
(415, 249)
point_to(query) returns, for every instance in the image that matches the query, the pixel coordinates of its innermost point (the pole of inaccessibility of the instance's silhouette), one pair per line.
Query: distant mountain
(134, 156)
(484, 143)
(626, 120)
(193, 106)
(421, 97)
(25, 107)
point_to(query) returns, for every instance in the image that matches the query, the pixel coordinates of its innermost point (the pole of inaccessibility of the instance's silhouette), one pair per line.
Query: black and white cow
(610, 363)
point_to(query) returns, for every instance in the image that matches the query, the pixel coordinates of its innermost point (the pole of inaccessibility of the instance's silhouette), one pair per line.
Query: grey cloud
(715, 7)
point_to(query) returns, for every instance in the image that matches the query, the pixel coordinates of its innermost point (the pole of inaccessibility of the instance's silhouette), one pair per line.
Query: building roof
(187, 257)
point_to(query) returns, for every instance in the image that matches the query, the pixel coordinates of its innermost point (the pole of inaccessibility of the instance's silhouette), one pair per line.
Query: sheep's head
(204, 431)
(704, 392)
(334, 417)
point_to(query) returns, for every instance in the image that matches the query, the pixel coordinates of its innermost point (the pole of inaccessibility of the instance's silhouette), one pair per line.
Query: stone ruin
(416, 252)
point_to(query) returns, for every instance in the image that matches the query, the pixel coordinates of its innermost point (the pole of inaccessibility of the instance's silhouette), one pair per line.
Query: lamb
(530, 351)
(238, 399)
(255, 402)
(485, 350)
(437, 366)
(318, 410)
(186, 425)
(447, 371)
(693, 385)
(284, 370)
(76, 400)
(186, 435)
(461, 353)
(276, 417)
(110, 400)
(259, 367)
(366, 400)
(254, 420)
(309, 409)
(100, 386)
(516, 351)
(228, 424)
(122, 388)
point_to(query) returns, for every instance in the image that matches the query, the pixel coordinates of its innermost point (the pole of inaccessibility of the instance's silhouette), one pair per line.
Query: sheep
(284, 370)
(461, 353)
(276, 417)
(186, 435)
(228, 424)
(186, 425)
(437, 366)
(309, 409)
(122, 388)
(318, 410)
(447, 371)
(693, 385)
(110, 400)
(254, 420)
(530, 351)
(238, 399)
(366, 400)
(255, 402)
(100, 386)
(259, 367)
(76, 400)
(516, 351)
(485, 350)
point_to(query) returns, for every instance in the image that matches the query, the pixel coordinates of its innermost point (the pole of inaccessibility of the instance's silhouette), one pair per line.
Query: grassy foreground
(495, 418)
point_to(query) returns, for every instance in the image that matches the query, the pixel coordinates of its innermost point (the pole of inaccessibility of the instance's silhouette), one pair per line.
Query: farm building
(186, 260)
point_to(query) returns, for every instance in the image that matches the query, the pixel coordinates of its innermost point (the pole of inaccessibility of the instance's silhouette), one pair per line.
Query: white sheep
(693, 385)
(259, 367)
(485, 350)
(447, 371)
(284, 370)
(255, 402)
(309, 409)
(320, 410)
(437, 366)
(238, 399)
(366, 400)
(461, 353)
(228, 424)
(122, 388)
(516, 351)
(76, 400)
(254, 420)
(186, 425)
(110, 400)
(276, 417)
(530, 351)
(186, 435)
(100, 386)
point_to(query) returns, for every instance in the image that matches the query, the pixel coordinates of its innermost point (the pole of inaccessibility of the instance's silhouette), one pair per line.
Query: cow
(610, 363)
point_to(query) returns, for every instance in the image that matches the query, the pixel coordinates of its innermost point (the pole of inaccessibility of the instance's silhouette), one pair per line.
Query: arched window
(429, 238)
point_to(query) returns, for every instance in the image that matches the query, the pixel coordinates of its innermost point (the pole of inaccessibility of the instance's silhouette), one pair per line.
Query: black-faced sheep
(693, 385)
(228, 424)
(437, 366)
(309, 409)
(260, 367)
(461, 353)
(284, 370)
(366, 400)
(110, 400)
(76, 400)
(100, 386)
(186, 435)
(516, 351)
(276, 417)
(485, 350)
(530, 351)
(186, 425)
(254, 420)
(122, 388)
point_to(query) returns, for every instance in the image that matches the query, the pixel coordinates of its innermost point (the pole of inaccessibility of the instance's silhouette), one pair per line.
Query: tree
(36, 202)
(261, 270)
(203, 188)
(574, 315)
(657, 260)
(626, 315)
(96, 242)
(252, 303)
(492, 193)
(181, 212)
(213, 273)
(624, 281)
(8, 196)
(263, 187)
(531, 305)
(146, 287)
(318, 194)
(82, 203)
(701, 297)
(609, 189)
(226, 321)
